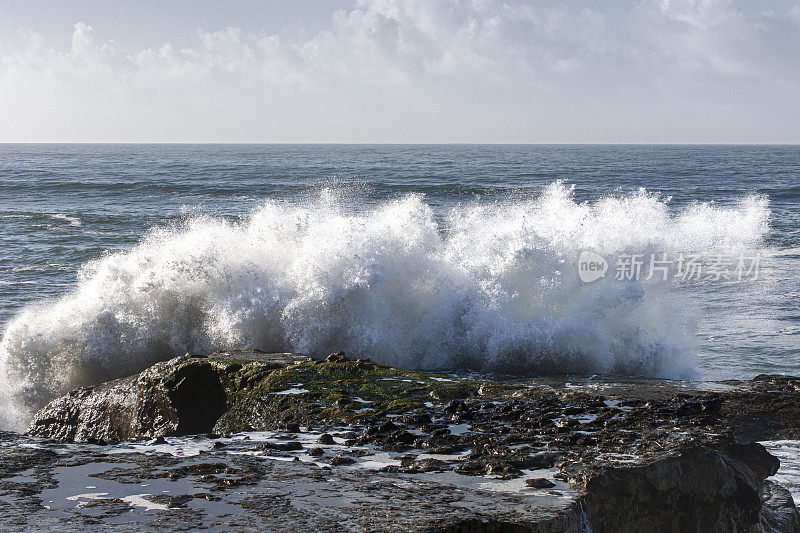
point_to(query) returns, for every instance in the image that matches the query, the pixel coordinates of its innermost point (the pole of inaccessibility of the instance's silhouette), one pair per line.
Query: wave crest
(484, 286)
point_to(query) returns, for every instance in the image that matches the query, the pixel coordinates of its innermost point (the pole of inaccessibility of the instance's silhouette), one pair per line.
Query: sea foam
(485, 285)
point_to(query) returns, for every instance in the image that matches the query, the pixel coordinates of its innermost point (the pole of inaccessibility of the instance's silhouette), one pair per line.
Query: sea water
(447, 257)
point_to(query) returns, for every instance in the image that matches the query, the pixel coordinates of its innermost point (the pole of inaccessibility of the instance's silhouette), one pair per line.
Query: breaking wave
(489, 286)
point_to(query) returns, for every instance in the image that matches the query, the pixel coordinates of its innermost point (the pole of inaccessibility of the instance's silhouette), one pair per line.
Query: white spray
(492, 286)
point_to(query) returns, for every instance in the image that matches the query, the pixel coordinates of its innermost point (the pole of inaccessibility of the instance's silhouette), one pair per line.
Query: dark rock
(697, 489)
(337, 357)
(567, 423)
(487, 467)
(403, 437)
(471, 468)
(779, 513)
(777, 382)
(179, 397)
(377, 429)
(669, 461)
(455, 406)
(387, 427)
(426, 465)
(462, 416)
(316, 452)
(184, 396)
(416, 419)
(408, 459)
(502, 470)
(326, 438)
(290, 446)
(173, 502)
(534, 461)
(446, 449)
(341, 460)
(539, 483)
(439, 433)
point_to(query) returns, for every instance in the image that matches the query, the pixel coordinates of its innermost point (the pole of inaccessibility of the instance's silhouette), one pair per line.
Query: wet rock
(340, 460)
(696, 489)
(336, 357)
(440, 433)
(435, 443)
(427, 465)
(416, 419)
(403, 437)
(462, 416)
(487, 467)
(455, 406)
(779, 513)
(445, 449)
(539, 483)
(502, 470)
(777, 382)
(382, 428)
(326, 438)
(207, 496)
(532, 461)
(766, 410)
(183, 396)
(471, 468)
(173, 502)
(387, 427)
(657, 452)
(408, 459)
(179, 397)
(290, 446)
(567, 423)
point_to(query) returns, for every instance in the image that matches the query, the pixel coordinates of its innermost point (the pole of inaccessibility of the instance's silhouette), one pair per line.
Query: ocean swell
(489, 286)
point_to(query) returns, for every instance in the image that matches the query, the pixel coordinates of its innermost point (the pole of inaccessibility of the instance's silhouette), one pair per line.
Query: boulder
(694, 488)
(183, 396)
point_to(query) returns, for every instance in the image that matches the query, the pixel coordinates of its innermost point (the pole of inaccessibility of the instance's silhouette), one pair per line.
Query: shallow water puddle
(293, 390)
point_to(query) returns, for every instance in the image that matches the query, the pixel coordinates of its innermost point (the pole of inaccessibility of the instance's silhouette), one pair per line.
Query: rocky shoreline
(265, 441)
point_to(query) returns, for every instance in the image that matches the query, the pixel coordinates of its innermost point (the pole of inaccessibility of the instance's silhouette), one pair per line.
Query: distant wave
(73, 221)
(491, 286)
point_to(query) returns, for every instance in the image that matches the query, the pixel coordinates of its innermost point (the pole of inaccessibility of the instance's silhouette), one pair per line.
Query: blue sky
(400, 71)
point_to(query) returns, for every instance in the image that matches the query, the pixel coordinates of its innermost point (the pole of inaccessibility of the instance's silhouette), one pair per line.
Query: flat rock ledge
(602, 456)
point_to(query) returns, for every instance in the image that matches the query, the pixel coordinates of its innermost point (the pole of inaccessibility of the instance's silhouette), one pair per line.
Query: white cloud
(404, 70)
(717, 35)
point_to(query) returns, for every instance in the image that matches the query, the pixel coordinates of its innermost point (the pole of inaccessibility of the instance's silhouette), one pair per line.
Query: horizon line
(346, 143)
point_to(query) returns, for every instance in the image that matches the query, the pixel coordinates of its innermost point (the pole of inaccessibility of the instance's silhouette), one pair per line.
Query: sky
(401, 71)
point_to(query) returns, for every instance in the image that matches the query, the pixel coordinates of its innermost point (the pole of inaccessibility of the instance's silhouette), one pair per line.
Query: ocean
(676, 262)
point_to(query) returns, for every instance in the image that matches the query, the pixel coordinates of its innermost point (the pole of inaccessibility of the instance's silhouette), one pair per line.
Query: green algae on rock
(240, 391)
